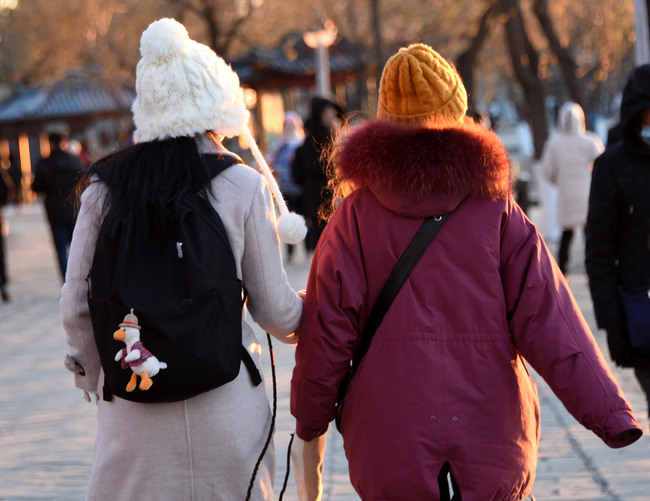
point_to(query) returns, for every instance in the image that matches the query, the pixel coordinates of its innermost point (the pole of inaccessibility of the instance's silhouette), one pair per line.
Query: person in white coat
(206, 446)
(567, 161)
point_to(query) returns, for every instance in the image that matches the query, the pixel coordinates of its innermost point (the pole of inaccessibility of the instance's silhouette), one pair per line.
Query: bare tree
(39, 41)
(360, 98)
(525, 64)
(224, 21)
(378, 35)
(565, 59)
(466, 61)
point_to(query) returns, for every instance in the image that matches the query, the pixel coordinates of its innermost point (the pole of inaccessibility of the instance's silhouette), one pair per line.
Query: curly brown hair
(337, 187)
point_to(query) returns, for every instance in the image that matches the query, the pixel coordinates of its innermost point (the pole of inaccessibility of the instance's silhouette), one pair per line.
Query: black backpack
(187, 299)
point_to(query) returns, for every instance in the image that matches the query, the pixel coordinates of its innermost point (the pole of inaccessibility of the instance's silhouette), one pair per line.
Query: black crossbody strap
(396, 280)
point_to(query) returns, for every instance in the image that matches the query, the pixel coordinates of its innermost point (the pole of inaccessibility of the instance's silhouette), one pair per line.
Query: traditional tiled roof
(65, 99)
(291, 63)
(293, 59)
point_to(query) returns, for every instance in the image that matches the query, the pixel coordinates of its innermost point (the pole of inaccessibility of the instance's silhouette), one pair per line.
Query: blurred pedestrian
(6, 189)
(308, 167)
(55, 178)
(280, 156)
(443, 395)
(208, 445)
(614, 134)
(566, 163)
(16, 175)
(618, 231)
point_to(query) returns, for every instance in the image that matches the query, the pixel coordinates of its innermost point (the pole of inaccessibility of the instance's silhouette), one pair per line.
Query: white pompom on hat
(183, 89)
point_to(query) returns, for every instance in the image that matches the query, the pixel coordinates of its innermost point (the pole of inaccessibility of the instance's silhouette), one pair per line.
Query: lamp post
(321, 39)
(642, 43)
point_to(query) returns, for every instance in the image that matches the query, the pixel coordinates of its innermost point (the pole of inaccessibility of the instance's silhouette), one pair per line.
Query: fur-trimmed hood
(414, 171)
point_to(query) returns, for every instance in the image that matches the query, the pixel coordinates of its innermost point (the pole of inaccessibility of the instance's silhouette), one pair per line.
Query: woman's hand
(307, 458)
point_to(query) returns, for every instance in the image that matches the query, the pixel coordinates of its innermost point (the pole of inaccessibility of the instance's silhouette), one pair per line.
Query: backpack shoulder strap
(218, 163)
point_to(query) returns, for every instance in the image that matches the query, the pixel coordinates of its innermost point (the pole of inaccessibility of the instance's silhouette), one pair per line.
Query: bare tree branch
(567, 63)
(379, 39)
(467, 60)
(236, 25)
(525, 63)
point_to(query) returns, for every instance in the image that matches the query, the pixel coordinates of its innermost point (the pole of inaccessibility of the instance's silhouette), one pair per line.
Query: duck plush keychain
(141, 361)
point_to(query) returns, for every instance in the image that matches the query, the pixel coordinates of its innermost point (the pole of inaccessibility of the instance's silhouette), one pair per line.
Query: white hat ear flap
(291, 226)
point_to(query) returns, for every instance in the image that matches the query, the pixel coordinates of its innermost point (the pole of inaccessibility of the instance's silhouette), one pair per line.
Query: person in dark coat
(55, 177)
(618, 224)
(614, 135)
(308, 168)
(6, 187)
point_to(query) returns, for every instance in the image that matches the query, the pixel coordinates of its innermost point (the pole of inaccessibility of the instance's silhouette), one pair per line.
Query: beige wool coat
(567, 161)
(203, 448)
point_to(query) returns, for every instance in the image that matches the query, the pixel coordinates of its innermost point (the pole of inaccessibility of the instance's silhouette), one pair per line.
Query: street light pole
(323, 72)
(321, 39)
(642, 44)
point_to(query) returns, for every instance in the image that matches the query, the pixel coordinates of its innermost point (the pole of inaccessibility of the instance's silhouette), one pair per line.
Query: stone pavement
(47, 429)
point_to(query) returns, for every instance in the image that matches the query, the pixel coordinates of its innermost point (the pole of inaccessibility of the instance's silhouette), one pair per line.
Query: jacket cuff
(85, 383)
(619, 430)
(308, 434)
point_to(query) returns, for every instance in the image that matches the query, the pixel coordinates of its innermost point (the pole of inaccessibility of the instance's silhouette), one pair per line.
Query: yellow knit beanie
(419, 86)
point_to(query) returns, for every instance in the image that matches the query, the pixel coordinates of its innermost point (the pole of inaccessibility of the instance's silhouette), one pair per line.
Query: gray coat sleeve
(74, 306)
(272, 302)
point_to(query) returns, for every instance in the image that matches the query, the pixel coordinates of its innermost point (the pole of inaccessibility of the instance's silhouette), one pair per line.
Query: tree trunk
(525, 63)
(360, 99)
(207, 13)
(220, 36)
(466, 61)
(565, 59)
(379, 42)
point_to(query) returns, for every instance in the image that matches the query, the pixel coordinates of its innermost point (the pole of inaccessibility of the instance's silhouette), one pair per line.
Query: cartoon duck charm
(141, 361)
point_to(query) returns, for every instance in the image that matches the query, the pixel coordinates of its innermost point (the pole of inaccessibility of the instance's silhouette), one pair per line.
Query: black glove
(620, 349)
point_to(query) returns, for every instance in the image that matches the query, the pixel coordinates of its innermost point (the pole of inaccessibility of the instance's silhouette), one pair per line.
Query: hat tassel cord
(291, 226)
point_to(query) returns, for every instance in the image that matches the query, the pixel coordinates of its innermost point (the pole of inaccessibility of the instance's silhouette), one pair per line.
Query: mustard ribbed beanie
(419, 86)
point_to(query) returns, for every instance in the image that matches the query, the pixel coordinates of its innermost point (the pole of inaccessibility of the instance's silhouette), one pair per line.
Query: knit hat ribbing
(184, 89)
(419, 86)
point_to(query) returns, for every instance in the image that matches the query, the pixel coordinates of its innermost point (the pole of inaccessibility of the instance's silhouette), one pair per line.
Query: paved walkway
(47, 429)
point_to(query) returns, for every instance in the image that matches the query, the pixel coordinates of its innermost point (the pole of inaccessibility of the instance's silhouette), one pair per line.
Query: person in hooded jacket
(281, 155)
(443, 394)
(618, 225)
(308, 168)
(55, 177)
(205, 447)
(567, 161)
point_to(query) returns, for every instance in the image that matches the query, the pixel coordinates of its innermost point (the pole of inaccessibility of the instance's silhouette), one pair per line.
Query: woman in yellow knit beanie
(418, 86)
(441, 404)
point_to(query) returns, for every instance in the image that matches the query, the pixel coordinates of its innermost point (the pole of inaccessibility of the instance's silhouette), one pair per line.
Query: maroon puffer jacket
(445, 377)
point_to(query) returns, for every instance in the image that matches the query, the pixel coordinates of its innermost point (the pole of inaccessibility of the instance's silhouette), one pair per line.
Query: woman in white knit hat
(207, 446)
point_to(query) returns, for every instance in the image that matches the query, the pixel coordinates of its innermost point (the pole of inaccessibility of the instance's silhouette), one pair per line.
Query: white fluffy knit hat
(183, 88)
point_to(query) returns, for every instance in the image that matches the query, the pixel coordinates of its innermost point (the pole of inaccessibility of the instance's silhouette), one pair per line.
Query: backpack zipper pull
(179, 249)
